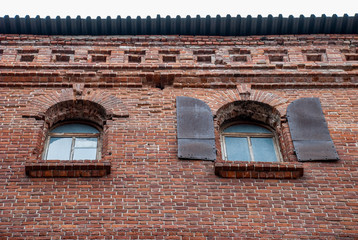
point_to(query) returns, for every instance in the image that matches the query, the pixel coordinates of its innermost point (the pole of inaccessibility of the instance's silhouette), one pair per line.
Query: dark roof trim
(218, 26)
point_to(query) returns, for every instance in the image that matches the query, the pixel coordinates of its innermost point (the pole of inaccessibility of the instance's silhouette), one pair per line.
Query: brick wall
(139, 188)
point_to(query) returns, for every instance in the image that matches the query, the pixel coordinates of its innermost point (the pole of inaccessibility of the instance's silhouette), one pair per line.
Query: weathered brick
(139, 189)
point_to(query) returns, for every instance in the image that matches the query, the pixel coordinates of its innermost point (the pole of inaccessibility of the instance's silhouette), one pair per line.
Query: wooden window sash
(248, 136)
(73, 136)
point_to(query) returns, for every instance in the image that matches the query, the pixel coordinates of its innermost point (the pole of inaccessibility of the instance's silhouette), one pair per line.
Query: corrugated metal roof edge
(217, 26)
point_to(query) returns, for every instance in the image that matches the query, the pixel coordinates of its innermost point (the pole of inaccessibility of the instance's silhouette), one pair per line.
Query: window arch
(73, 141)
(249, 131)
(249, 142)
(58, 124)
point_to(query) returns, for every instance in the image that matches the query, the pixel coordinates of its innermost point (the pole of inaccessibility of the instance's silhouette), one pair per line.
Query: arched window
(249, 142)
(73, 141)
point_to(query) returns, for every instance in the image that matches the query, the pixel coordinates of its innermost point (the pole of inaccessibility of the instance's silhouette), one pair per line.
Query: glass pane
(59, 148)
(86, 143)
(246, 128)
(85, 154)
(237, 149)
(264, 149)
(75, 128)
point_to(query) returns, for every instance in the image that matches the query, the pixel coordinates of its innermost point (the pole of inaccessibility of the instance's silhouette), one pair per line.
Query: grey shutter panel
(195, 129)
(309, 131)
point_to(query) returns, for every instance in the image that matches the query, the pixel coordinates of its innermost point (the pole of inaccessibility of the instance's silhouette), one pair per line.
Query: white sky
(134, 8)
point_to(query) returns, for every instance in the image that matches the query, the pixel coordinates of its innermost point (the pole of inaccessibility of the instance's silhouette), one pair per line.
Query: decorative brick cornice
(178, 61)
(39, 55)
(176, 40)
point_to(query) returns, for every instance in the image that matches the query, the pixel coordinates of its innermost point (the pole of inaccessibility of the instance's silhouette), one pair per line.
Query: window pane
(246, 128)
(237, 149)
(86, 143)
(85, 154)
(75, 128)
(59, 148)
(264, 150)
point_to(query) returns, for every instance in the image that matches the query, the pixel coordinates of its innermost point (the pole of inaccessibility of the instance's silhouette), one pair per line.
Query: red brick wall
(150, 193)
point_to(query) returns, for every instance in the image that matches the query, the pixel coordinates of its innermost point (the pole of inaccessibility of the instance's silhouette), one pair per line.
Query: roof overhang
(209, 26)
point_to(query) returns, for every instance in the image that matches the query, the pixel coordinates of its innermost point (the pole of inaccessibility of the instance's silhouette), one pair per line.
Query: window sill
(259, 170)
(59, 168)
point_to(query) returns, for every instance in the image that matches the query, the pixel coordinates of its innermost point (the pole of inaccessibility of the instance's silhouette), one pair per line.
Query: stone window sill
(75, 168)
(259, 170)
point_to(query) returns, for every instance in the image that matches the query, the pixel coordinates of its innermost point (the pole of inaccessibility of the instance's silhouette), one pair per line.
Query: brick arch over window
(111, 106)
(257, 112)
(243, 92)
(66, 105)
(249, 111)
(76, 110)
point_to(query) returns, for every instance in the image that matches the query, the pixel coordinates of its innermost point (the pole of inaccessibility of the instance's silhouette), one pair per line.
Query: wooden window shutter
(195, 129)
(309, 131)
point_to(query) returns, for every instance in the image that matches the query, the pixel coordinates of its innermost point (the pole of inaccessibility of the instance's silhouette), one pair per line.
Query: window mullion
(72, 147)
(250, 149)
(47, 143)
(224, 148)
